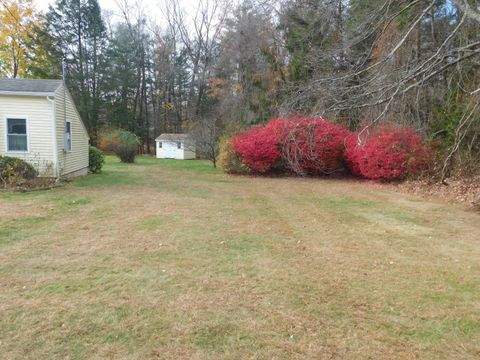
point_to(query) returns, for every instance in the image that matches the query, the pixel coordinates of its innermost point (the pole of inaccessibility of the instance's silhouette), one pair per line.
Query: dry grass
(173, 260)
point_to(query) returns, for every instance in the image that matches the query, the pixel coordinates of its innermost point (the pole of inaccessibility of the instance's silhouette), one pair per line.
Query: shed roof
(173, 137)
(32, 87)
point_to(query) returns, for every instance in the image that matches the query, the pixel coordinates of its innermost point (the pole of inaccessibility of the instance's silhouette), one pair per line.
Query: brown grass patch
(171, 260)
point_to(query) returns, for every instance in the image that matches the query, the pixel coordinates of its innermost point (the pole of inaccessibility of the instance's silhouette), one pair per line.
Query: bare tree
(206, 134)
(199, 37)
(400, 63)
(392, 67)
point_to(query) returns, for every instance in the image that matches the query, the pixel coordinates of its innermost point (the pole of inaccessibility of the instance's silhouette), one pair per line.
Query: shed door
(170, 149)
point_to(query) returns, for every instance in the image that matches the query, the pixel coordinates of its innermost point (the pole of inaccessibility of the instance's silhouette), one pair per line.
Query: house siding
(39, 114)
(76, 160)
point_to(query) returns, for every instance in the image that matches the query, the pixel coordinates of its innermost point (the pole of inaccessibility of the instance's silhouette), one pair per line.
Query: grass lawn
(174, 260)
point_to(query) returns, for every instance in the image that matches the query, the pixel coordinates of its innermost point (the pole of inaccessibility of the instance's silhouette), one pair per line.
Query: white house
(175, 146)
(40, 124)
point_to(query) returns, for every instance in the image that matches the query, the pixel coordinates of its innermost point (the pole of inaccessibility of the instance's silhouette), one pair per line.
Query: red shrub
(387, 154)
(314, 146)
(307, 145)
(258, 148)
(353, 154)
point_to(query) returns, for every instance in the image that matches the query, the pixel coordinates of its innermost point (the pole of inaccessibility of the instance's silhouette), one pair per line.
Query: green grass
(20, 229)
(136, 174)
(151, 223)
(175, 260)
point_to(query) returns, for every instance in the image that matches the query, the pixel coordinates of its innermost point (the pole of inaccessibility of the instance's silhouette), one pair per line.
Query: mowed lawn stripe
(172, 259)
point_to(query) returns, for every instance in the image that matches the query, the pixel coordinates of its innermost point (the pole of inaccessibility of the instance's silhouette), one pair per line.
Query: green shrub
(15, 171)
(228, 160)
(95, 160)
(122, 143)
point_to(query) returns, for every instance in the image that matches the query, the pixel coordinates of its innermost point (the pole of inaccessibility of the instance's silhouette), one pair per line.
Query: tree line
(227, 65)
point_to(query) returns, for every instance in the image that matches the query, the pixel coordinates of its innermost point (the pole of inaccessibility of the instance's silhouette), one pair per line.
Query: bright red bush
(314, 146)
(306, 145)
(387, 154)
(258, 148)
(354, 154)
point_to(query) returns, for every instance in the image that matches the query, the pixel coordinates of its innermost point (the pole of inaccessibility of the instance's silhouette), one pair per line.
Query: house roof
(29, 87)
(173, 137)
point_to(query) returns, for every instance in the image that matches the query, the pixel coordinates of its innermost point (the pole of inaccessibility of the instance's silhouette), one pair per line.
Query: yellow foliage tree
(18, 20)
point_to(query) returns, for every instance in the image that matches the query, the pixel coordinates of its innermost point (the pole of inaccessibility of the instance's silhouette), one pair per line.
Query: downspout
(54, 133)
(64, 104)
(64, 98)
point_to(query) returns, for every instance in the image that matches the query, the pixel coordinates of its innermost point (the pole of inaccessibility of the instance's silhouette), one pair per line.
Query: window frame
(160, 145)
(71, 137)
(179, 145)
(7, 145)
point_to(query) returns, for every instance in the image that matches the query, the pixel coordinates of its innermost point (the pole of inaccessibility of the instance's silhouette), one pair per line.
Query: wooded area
(228, 65)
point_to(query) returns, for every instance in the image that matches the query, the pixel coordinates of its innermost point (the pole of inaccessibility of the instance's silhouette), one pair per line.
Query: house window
(179, 145)
(159, 144)
(17, 138)
(67, 140)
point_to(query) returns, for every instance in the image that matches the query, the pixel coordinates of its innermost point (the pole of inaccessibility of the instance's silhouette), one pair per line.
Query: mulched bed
(36, 184)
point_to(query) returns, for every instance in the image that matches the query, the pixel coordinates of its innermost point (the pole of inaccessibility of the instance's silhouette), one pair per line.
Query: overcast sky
(151, 7)
(104, 4)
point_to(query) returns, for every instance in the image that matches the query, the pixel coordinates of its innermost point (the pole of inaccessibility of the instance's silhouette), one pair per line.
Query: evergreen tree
(80, 36)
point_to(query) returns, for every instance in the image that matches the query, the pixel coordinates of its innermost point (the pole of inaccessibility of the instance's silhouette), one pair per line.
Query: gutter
(27, 93)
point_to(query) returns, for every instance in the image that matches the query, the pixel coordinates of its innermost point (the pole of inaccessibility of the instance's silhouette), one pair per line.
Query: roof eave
(172, 139)
(27, 93)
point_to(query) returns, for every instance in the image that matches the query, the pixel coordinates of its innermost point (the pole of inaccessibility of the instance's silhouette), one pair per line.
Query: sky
(151, 7)
(104, 4)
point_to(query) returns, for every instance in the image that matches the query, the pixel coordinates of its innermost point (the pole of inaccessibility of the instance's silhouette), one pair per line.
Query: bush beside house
(95, 160)
(14, 171)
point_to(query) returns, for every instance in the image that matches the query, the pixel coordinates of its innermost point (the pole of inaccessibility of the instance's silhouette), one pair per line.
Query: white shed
(175, 146)
(40, 124)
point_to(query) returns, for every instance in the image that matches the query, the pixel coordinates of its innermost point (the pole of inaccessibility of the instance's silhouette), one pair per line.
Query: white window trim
(27, 123)
(71, 136)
